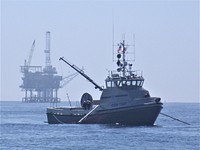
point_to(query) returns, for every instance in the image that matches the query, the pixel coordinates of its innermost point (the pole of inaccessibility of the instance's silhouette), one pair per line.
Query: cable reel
(86, 101)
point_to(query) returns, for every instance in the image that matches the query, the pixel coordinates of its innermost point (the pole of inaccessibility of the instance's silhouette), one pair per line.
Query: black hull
(144, 115)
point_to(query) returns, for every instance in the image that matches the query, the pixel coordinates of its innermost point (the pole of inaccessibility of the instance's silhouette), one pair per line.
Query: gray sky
(166, 43)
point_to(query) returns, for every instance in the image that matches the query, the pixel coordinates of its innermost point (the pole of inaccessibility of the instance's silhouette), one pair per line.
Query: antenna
(123, 36)
(133, 46)
(113, 32)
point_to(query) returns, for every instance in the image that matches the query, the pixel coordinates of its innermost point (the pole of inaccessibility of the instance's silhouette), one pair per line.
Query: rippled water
(23, 127)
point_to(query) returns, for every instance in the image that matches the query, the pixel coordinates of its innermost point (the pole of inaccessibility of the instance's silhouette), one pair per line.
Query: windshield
(122, 83)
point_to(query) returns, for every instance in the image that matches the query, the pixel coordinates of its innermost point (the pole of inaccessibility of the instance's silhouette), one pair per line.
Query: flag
(120, 49)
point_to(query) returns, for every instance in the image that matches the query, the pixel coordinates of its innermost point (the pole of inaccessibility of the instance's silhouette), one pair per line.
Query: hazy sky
(166, 43)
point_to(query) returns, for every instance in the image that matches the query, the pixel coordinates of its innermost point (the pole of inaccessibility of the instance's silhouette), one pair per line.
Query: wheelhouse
(118, 81)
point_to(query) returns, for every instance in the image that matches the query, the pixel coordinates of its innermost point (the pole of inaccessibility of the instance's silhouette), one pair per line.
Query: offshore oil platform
(42, 84)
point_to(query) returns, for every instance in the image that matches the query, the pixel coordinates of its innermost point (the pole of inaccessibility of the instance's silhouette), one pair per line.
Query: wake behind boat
(123, 100)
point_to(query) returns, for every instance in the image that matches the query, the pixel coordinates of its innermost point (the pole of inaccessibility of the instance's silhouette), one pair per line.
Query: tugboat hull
(123, 100)
(144, 115)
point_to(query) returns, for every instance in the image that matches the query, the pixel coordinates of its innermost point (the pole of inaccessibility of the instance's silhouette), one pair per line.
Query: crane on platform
(68, 78)
(30, 54)
(27, 63)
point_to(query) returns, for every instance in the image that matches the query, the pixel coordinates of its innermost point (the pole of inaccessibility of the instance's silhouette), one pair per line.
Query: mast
(122, 65)
(123, 58)
(122, 61)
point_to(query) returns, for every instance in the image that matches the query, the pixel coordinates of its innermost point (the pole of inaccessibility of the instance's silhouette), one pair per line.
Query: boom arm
(82, 73)
(31, 54)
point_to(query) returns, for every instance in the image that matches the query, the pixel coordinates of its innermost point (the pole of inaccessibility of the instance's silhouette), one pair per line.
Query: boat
(123, 100)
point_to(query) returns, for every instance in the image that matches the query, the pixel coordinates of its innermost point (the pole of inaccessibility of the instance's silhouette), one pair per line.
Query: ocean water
(23, 127)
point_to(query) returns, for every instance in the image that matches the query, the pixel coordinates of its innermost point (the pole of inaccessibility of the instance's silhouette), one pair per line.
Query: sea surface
(23, 127)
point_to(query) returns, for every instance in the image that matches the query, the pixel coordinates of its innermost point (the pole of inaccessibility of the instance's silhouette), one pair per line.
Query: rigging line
(134, 47)
(69, 100)
(65, 86)
(175, 118)
(87, 114)
(113, 32)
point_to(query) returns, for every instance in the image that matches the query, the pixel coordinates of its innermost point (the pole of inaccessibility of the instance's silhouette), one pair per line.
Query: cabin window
(138, 83)
(128, 83)
(108, 84)
(133, 82)
(120, 84)
(117, 83)
(114, 83)
(141, 83)
(123, 83)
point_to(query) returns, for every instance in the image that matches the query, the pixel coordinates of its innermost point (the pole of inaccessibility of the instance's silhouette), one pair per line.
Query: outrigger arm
(82, 73)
